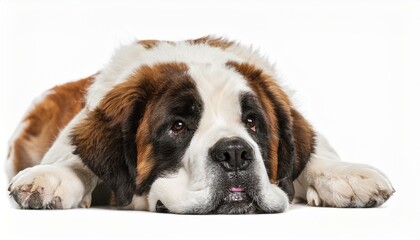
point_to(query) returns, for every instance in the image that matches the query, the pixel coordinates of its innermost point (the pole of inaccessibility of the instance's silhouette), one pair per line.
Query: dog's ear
(105, 138)
(295, 139)
(303, 136)
(286, 144)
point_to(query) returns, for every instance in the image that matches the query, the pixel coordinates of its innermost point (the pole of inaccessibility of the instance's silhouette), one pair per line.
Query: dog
(199, 126)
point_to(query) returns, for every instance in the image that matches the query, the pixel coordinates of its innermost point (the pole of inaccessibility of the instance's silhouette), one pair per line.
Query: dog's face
(207, 133)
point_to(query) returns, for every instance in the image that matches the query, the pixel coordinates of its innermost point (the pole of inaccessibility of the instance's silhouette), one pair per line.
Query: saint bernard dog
(200, 126)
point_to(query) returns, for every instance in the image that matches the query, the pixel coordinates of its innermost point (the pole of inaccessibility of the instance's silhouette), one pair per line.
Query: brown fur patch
(159, 75)
(101, 144)
(304, 142)
(213, 42)
(302, 132)
(116, 104)
(45, 121)
(113, 140)
(148, 44)
(259, 82)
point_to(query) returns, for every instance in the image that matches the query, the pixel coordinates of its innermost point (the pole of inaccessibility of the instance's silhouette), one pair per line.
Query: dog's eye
(178, 126)
(250, 124)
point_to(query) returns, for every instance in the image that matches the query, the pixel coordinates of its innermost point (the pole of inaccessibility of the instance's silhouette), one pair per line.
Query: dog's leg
(60, 181)
(326, 181)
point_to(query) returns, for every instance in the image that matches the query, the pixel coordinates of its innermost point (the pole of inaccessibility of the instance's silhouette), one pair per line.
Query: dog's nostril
(245, 155)
(226, 156)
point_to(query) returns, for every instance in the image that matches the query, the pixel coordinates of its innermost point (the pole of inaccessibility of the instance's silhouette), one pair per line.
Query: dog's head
(198, 126)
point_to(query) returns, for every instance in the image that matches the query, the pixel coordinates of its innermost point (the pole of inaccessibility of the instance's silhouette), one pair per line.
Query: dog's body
(197, 126)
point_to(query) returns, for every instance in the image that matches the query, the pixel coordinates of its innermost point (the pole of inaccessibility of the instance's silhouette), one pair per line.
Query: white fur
(326, 181)
(178, 192)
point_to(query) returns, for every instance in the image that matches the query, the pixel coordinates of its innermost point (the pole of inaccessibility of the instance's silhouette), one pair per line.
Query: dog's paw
(47, 187)
(349, 185)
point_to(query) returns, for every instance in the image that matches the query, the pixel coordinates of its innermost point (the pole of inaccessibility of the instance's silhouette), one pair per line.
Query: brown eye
(178, 126)
(250, 123)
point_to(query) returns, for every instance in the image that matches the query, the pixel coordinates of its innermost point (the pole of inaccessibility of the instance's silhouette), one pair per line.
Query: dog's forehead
(207, 66)
(220, 88)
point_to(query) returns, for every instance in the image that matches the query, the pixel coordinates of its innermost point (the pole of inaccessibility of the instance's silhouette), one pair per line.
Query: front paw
(46, 187)
(349, 185)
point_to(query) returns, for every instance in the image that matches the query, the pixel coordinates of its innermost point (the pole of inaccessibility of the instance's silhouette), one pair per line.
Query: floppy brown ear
(286, 144)
(303, 136)
(105, 139)
(295, 138)
(296, 144)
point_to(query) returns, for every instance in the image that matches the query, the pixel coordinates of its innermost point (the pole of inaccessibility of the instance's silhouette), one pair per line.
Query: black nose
(232, 153)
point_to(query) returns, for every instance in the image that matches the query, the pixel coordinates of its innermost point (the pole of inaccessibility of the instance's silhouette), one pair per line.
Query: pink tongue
(236, 189)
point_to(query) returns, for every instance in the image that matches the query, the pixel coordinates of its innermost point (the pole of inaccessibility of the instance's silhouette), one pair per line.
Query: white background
(354, 65)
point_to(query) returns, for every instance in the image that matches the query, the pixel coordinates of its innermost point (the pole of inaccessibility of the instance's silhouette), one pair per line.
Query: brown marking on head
(45, 120)
(114, 138)
(258, 83)
(160, 75)
(290, 150)
(268, 107)
(171, 79)
(212, 41)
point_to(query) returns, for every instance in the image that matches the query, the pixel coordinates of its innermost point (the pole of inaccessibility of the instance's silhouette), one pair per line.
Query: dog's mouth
(236, 201)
